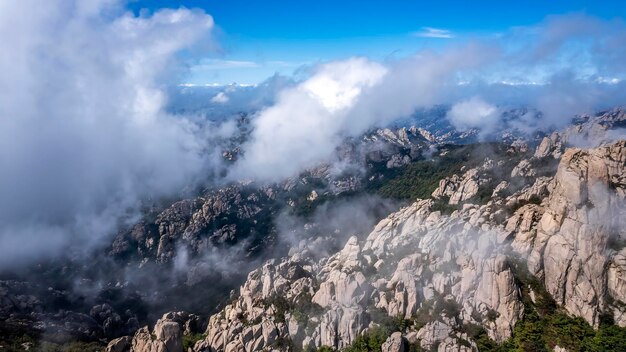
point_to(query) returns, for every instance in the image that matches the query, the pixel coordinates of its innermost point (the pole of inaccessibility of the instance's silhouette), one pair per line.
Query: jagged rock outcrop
(550, 146)
(395, 343)
(121, 344)
(449, 266)
(167, 335)
(198, 223)
(227, 215)
(398, 160)
(452, 262)
(447, 187)
(459, 189)
(583, 215)
(441, 337)
(524, 169)
(588, 131)
(467, 188)
(453, 268)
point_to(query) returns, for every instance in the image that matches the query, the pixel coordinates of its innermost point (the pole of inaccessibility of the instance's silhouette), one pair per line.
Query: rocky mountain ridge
(442, 267)
(502, 194)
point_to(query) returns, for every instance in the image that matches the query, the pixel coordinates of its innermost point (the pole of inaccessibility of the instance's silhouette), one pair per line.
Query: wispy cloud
(222, 64)
(219, 64)
(279, 63)
(430, 32)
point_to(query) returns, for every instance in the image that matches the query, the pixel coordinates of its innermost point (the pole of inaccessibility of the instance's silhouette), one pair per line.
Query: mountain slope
(452, 268)
(438, 277)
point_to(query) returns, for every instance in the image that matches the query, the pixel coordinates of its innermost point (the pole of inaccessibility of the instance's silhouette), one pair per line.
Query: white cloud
(474, 113)
(608, 80)
(529, 67)
(219, 64)
(305, 121)
(337, 85)
(340, 99)
(220, 98)
(430, 32)
(83, 134)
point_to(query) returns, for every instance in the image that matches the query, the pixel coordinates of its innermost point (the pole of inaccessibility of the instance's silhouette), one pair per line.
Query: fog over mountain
(348, 97)
(84, 134)
(128, 192)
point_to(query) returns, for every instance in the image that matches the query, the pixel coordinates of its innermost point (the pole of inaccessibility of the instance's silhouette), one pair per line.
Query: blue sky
(259, 38)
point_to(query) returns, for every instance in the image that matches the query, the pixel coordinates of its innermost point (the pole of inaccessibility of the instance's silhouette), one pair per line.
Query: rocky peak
(582, 213)
(167, 335)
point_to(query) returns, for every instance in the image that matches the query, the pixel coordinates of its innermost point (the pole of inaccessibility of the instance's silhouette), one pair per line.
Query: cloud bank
(87, 131)
(342, 99)
(83, 134)
(566, 65)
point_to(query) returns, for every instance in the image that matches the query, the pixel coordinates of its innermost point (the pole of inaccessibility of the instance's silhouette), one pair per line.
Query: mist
(90, 129)
(84, 137)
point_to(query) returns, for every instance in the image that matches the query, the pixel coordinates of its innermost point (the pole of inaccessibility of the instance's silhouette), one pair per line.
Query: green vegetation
(29, 343)
(480, 337)
(304, 309)
(283, 344)
(431, 310)
(544, 304)
(190, 340)
(419, 179)
(485, 190)
(303, 207)
(281, 306)
(18, 338)
(370, 341)
(69, 347)
(301, 309)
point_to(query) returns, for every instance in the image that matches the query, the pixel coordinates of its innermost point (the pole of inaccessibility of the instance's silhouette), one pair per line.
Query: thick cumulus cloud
(83, 135)
(307, 120)
(341, 99)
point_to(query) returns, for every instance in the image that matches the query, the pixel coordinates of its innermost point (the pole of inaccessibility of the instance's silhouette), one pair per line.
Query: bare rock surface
(454, 267)
(166, 336)
(584, 213)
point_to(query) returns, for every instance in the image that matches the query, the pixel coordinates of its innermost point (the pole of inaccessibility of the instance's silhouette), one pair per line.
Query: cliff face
(578, 235)
(444, 272)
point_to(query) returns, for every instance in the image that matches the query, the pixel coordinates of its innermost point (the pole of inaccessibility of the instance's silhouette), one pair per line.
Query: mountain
(522, 252)
(414, 237)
